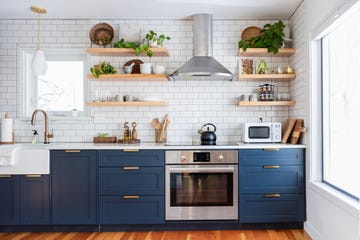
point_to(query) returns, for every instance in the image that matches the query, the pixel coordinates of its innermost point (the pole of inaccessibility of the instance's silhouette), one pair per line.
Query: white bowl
(159, 69)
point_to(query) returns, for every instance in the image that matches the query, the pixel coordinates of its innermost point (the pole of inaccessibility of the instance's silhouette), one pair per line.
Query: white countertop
(109, 146)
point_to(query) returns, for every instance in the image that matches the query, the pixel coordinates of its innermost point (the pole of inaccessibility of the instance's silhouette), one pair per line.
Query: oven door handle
(202, 169)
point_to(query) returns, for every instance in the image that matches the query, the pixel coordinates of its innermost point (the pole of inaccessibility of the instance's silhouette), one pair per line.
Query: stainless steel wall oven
(201, 185)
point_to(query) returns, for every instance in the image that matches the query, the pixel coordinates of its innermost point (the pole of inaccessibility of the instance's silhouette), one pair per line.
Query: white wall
(191, 104)
(330, 216)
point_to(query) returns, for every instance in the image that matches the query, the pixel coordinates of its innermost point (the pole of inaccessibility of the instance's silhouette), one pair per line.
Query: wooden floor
(166, 235)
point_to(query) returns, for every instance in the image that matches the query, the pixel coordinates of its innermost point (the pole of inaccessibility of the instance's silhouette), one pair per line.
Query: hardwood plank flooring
(292, 234)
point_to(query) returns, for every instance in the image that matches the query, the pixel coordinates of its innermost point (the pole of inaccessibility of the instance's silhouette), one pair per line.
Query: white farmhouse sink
(27, 159)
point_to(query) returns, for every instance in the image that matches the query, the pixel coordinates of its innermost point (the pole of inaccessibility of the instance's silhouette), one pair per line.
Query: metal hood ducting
(202, 66)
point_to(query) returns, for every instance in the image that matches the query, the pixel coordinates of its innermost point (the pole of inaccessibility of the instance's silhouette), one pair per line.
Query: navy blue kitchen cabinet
(131, 187)
(9, 200)
(24, 199)
(35, 199)
(73, 175)
(271, 185)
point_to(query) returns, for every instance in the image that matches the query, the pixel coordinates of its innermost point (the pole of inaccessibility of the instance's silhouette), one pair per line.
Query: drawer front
(284, 208)
(132, 210)
(131, 180)
(284, 156)
(119, 158)
(268, 179)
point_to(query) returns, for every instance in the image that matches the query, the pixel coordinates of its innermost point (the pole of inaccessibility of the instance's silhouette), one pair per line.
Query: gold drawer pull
(131, 197)
(131, 150)
(271, 167)
(131, 168)
(5, 176)
(72, 151)
(33, 175)
(271, 149)
(275, 195)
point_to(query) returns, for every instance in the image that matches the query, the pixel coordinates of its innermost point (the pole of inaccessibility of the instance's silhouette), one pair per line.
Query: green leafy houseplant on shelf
(271, 37)
(102, 68)
(151, 39)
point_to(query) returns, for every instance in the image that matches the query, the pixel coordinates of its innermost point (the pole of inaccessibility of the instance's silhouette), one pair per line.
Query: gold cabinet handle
(33, 175)
(271, 149)
(131, 197)
(5, 176)
(271, 167)
(275, 195)
(131, 150)
(131, 168)
(72, 151)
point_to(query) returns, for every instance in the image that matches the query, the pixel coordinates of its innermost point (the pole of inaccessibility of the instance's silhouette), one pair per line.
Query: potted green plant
(102, 68)
(151, 39)
(271, 37)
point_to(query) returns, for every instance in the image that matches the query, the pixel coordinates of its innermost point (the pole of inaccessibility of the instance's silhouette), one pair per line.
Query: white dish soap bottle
(35, 138)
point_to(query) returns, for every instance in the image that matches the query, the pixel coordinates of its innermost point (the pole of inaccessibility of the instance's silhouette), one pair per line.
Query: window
(62, 88)
(340, 101)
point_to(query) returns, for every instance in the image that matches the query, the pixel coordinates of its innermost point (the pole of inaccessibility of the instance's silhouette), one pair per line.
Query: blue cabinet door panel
(35, 200)
(9, 200)
(142, 210)
(258, 180)
(141, 181)
(118, 158)
(284, 156)
(285, 208)
(74, 187)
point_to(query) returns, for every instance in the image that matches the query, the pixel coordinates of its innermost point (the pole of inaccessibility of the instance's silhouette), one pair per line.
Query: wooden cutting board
(298, 129)
(287, 129)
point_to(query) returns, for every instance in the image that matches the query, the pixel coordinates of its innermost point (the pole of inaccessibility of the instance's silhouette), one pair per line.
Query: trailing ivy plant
(144, 45)
(271, 37)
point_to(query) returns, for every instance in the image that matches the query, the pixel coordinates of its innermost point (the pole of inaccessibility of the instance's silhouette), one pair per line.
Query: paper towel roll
(6, 130)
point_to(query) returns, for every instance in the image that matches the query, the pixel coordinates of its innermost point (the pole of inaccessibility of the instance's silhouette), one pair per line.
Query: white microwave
(262, 132)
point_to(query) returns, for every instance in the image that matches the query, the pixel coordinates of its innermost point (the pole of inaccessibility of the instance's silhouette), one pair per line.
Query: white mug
(145, 68)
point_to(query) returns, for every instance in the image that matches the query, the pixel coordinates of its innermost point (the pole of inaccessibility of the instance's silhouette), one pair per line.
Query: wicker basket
(104, 139)
(250, 32)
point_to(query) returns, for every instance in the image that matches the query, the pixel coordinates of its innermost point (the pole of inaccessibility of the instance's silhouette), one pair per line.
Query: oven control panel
(201, 156)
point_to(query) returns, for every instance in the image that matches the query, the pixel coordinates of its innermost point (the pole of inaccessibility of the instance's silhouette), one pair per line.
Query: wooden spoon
(155, 123)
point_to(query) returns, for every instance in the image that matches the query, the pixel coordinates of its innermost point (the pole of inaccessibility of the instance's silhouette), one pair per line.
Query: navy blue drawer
(131, 180)
(288, 156)
(283, 208)
(271, 178)
(132, 210)
(118, 158)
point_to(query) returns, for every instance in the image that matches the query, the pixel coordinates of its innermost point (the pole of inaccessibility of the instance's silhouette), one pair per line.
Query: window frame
(25, 57)
(325, 126)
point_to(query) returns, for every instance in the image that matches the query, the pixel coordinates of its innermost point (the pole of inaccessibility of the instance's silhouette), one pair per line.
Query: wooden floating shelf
(157, 52)
(267, 103)
(267, 76)
(262, 52)
(131, 77)
(128, 104)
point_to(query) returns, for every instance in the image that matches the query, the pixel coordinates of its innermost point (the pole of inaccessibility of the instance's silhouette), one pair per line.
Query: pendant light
(39, 65)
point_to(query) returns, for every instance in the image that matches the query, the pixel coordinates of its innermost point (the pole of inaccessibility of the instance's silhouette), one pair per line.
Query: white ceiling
(150, 9)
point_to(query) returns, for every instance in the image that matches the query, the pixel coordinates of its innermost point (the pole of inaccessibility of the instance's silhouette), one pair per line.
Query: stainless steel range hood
(202, 66)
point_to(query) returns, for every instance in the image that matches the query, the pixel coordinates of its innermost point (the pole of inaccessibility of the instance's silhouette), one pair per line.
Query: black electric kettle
(208, 137)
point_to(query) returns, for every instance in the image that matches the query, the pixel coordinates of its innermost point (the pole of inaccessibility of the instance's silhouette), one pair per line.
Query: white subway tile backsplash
(191, 103)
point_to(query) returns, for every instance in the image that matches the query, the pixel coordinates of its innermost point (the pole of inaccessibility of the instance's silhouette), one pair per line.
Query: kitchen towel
(6, 130)
(7, 156)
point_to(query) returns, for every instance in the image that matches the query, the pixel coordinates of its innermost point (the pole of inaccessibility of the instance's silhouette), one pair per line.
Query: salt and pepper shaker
(134, 132)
